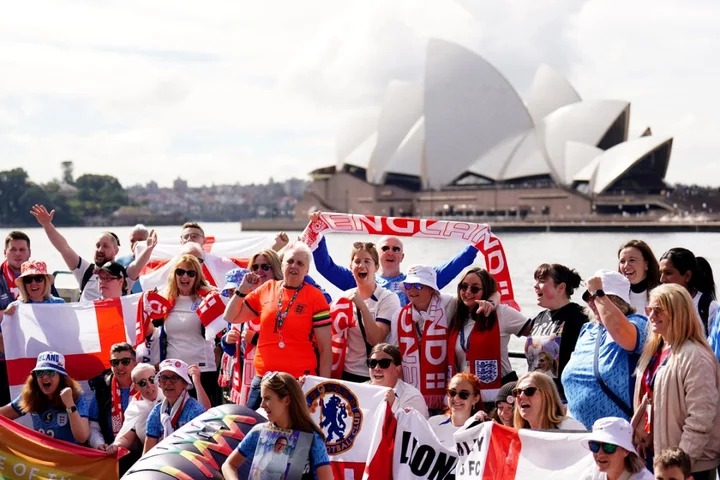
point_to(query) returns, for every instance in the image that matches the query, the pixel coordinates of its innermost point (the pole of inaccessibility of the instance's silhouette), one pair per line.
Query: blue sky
(225, 92)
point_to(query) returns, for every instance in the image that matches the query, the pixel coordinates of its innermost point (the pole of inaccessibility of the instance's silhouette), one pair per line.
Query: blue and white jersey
(53, 422)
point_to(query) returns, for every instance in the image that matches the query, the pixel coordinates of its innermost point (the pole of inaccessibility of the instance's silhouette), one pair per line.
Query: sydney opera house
(466, 143)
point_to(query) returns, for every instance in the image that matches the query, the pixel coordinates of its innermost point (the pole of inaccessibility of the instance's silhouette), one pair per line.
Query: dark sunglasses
(529, 391)
(33, 278)
(144, 383)
(463, 394)
(474, 289)
(265, 267)
(608, 448)
(179, 272)
(385, 248)
(117, 361)
(44, 373)
(383, 362)
(409, 286)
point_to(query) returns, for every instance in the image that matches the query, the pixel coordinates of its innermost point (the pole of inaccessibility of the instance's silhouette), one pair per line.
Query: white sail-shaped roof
(356, 132)
(614, 162)
(409, 159)
(360, 157)
(584, 158)
(493, 162)
(550, 91)
(528, 160)
(469, 108)
(402, 108)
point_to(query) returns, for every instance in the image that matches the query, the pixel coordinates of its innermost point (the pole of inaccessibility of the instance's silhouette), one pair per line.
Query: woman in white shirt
(385, 368)
(637, 262)
(480, 331)
(375, 307)
(463, 399)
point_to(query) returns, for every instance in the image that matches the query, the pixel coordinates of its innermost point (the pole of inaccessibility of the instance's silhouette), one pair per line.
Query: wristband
(71, 410)
(241, 295)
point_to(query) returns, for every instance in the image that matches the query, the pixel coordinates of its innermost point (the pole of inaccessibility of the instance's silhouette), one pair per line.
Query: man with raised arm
(388, 275)
(107, 247)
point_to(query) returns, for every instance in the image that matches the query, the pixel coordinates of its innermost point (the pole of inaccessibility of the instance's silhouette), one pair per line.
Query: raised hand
(314, 216)
(41, 214)
(356, 298)
(152, 240)
(484, 307)
(66, 395)
(390, 397)
(249, 282)
(194, 374)
(281, 240)
(594, 284)
(232, 336)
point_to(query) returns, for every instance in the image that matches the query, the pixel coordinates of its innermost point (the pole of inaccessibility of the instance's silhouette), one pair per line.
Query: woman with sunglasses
(34, 285)
(385, 369)
(54, 400)
(615, 456)
(463, 399)
(637, 262)
(178, 407)
(375, 307)
(678, 383)
(287, 410)
(183, 334)
(480, 331)
(538, 405)
(132, 433)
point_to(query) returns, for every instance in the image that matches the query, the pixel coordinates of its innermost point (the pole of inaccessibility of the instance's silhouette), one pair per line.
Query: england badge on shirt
(62, 419)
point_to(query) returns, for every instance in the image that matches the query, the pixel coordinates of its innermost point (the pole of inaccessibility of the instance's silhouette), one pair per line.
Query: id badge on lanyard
(648, 417)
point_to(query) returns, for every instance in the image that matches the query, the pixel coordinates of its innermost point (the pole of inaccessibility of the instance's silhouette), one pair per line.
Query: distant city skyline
(224, 93)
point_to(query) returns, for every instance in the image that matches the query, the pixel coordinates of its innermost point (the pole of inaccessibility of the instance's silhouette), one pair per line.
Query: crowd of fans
(637, 366)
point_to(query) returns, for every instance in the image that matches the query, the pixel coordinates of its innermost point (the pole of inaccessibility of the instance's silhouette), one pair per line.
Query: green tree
(99, 195)
(68, 169)
(13, 184)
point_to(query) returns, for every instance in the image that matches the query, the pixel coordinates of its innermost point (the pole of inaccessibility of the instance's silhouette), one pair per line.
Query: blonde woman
(538, 405)
(678, 383)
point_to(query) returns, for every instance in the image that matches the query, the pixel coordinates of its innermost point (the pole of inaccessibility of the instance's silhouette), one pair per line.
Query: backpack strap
(86, 276)
(368, 347)
(704, 310)
(603, 386)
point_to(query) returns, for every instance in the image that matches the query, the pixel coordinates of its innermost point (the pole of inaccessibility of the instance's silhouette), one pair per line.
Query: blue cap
(233, 279)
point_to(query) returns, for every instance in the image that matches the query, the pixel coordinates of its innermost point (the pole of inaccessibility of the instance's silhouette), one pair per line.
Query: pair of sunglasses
(363, 245)
(385, 248)
(45, 373)
(117, 361)
(179, 272)
(529, 391)
(608, 448)
(383, 362)
(265, 267)
(463, 394)
(474, 289)
(33, 278)
(410, 286)
(144, 383)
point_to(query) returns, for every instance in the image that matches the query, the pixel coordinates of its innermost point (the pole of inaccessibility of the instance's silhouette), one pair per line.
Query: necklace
(281, 316)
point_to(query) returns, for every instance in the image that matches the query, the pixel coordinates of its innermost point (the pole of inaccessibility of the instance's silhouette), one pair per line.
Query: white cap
(613, 283)
(422, 274)
(176, 366)
(617, 431)
(50, 361)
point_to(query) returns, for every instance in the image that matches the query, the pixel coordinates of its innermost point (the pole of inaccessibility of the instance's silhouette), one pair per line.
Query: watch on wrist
(239, 294)
(599, 293)
(71, 410)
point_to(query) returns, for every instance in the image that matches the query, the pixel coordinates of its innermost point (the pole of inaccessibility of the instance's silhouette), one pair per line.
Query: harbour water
(586, 252)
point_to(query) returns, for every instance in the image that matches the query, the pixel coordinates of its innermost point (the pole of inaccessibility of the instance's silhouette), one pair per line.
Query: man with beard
(107, 247)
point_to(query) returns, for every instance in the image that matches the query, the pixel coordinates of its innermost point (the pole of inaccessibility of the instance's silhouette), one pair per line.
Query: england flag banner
(490, 451)
(418, 452)
(222, 254)
(347, 413)
(82, 332)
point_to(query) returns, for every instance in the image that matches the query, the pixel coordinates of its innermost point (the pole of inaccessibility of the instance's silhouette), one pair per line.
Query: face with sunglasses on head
(391, 254)
(462, 398)
(382, 370)
(122, 364)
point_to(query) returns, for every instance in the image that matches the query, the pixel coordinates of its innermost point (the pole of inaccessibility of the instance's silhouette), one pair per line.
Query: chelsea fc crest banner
(346, 412)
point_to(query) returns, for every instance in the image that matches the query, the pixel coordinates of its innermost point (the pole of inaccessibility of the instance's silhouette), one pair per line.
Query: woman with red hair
(463, 399)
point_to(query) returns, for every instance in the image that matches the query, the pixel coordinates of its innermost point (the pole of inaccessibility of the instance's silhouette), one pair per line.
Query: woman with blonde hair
(538, 405)
(546, 364)
(34, 286)
(287, 410)
(678, 383)
(183, 334)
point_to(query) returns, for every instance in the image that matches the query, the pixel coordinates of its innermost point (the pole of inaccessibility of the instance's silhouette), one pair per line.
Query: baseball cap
(233, 279)
(176, 366)
(51, 361)
(613, 283)
(614, 430)
(422, 274)
(113, 268)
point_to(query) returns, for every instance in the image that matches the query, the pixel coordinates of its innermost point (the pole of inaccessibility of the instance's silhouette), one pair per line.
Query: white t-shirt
(447, 302)
(185, 340)
(383, 304)
(407, 396)
(444, 429)
(511, 322)
(571, 424)
(592, 473)
(712, 310)
(639, 301)
(91, 292)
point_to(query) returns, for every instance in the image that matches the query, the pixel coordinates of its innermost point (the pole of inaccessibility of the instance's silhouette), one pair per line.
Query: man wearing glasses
(388, 275)
(192, 232)
(111, 395)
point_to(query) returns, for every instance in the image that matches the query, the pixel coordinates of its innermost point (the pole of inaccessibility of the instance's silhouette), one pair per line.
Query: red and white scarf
(244, 372)
(343, 319)
(10, 280)
(425, 361)
(117, 415)
(482, 354)
(169, 421)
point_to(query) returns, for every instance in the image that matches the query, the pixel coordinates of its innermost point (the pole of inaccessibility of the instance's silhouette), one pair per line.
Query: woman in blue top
(598, 380)
(54, 400)
(286, 408)
(34, 285)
